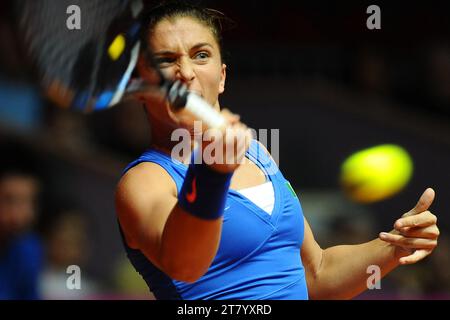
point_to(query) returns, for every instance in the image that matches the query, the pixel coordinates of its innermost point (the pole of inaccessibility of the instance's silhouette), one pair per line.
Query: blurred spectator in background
(21, 104)
(20, 248)
(66, 243)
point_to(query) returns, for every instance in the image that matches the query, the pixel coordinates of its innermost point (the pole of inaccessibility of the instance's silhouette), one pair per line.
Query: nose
(185, 71)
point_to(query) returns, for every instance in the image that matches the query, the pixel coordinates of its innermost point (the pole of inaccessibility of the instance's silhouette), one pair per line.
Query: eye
(164, 61)
(202, 56)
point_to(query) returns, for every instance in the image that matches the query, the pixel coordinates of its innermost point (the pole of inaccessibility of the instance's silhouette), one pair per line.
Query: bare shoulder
(141, 199)
(145, 176)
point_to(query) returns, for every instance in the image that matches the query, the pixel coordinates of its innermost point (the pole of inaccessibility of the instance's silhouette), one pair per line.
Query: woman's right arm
(180, 244)
(180, 233)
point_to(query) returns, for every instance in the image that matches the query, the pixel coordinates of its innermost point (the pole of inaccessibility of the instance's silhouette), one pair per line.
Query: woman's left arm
(340, 272)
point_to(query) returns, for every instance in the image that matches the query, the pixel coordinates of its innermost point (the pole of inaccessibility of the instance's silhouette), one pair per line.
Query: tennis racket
(90, 69)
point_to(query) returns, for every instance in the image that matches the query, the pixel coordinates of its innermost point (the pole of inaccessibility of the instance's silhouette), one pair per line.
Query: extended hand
(415, 233)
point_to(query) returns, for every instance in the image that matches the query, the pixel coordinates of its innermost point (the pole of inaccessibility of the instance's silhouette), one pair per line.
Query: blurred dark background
(311, 69)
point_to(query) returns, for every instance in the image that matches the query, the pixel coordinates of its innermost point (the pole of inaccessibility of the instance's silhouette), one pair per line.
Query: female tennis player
(233, 230)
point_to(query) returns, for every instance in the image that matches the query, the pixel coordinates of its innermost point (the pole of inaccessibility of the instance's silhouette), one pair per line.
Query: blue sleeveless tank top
(259, 253)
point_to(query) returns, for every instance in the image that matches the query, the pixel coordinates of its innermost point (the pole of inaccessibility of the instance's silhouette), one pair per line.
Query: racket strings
(73, 59)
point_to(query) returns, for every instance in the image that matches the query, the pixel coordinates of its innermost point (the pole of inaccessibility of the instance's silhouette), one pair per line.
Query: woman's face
(186, 50)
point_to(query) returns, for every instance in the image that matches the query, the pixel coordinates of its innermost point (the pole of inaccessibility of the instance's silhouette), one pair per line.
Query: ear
(223, 76)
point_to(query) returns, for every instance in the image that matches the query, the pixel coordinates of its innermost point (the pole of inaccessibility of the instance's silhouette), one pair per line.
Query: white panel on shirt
(261, 195)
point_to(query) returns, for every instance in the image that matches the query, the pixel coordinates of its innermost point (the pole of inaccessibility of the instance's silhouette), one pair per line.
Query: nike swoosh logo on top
(191, 196)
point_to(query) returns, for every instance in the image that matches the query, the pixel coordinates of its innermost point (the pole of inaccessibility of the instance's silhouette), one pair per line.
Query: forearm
(192, 232)
(189, 244)
(343, 270)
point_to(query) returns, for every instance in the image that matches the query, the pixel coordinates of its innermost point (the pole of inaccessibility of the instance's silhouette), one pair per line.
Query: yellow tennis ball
(376, 173)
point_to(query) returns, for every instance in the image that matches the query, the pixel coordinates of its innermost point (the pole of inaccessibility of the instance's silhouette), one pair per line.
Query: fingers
(224, 148)
(231, 118)
(416, 230)
(248, 138)
(149, 95)
(415, 257)
(405, 242)
(235, 144)
(228, 146)
(425, 201)
(430, 232)
(423, 219)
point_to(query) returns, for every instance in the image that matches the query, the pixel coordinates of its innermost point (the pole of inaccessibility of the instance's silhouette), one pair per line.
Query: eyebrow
(168, 52)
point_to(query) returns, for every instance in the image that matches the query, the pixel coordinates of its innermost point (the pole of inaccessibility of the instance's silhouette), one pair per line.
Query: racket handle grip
(182, 100)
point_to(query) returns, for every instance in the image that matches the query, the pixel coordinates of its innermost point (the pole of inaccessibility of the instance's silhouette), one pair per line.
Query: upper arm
(145, 197)
(311, 254)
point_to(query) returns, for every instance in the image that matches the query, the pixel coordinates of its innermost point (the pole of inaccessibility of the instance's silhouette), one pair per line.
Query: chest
(248, 229)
